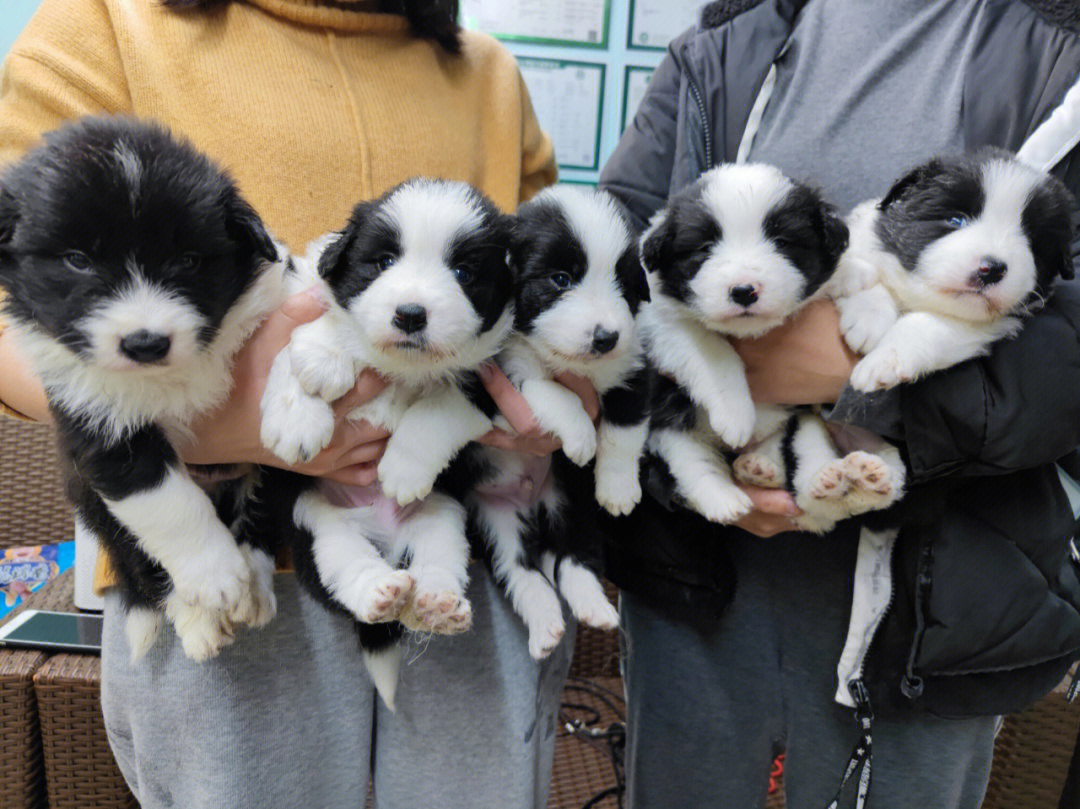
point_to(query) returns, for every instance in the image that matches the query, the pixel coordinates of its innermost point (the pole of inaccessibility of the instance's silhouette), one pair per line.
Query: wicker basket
(81, 772)
(22, 768)
(33, 509)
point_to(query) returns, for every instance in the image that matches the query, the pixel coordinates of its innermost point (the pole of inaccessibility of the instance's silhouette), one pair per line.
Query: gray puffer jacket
(984, 613)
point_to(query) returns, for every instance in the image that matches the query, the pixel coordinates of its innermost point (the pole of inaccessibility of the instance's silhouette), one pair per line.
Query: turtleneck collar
(337, 16)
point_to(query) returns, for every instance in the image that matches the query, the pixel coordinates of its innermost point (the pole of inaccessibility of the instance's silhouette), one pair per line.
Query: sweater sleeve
(64, 65)
(538, 169)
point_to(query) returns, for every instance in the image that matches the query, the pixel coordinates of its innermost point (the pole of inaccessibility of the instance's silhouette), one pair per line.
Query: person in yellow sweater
(311, 106)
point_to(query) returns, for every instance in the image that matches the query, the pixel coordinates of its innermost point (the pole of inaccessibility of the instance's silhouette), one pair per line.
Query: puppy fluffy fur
(734, 255)
(579, 286)
(421, 292)
(134, 272)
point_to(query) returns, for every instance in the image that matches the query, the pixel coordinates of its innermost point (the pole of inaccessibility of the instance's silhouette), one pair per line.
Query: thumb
(303, 307)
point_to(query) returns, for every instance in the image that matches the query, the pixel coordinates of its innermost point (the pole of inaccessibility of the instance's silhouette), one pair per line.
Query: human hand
(527, 436)
(774, 512)
(231, 433)
(803, 361)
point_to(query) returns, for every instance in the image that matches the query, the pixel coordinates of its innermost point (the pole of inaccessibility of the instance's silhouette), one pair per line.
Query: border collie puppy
(734, 255)
(949, 262)
(134, 272)
(579, 286)
(421, 291)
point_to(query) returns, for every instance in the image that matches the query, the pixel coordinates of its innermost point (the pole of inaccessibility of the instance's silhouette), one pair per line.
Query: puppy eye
(463, 274)
(957, 222)
(562, 280)
(188, 262)
(77, 261)
(385, 261)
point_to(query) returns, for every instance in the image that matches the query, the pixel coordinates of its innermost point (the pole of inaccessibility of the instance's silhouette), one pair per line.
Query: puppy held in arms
(421, 292)
(949, 262)
(734, 255)
(134, 271)
(578, 288)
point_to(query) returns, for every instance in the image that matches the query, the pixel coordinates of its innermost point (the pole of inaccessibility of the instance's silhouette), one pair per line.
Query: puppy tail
(142, 628)
(384, 666)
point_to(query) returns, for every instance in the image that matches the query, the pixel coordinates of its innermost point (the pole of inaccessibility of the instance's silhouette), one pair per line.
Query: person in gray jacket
(733, 636)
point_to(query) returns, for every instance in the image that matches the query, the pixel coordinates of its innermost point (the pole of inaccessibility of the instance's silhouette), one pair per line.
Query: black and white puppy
(579, 286)
(949, 262)
(134, 272)
(734, 255)
(420, 291)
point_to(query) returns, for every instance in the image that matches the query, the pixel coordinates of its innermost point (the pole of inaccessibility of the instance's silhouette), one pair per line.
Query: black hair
(429, 19)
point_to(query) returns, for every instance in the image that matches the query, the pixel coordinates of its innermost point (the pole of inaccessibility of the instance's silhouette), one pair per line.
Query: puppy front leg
(920, 343)
(624, 428)
(866, 316)
(560, 412)
(819, 481)
(325, 355)
(702, 476)
(428, 436)
(295, 425)
(707, 367)
(176, 525)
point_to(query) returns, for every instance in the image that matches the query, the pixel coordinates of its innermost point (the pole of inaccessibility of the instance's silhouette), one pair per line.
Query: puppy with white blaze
(948, 263)
(421, 292)
(134, 271)
(578, 288)
(734, 255)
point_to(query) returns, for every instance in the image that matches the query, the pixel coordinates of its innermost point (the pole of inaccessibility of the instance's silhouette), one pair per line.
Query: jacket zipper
(700, 102)
(912, 685)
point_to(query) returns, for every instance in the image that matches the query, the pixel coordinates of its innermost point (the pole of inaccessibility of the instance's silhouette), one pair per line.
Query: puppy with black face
(732, 255)
(134, 271)
(420, 291)
(578, 290)
(949, 262)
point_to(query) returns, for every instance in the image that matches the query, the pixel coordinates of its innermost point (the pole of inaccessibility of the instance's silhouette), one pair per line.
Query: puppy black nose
(991, 271)
(410, 318)
(603, 340)
(744, 295)
(145, 346)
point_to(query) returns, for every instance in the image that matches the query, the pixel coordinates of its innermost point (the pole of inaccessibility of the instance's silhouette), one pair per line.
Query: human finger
(533, 445)
(368, 385)
(362, 474)
(508, 399)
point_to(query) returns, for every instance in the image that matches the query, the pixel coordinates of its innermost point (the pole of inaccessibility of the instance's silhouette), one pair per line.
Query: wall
(13, 17)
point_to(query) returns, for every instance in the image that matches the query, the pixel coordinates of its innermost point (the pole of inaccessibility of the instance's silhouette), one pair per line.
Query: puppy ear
(915, 176)
(332, 262)
(632, 278)
(834, 232)
(246, 229)
(656, 242)
(9, 215)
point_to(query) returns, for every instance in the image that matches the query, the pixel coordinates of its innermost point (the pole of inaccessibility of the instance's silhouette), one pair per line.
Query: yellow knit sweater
(310, 108)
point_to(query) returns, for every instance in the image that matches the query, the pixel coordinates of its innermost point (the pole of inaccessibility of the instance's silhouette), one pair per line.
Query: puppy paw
(215, 577)
(142, 627)
(381, 597)
(874, 484)
(544, 639)
(322, 373)
(720, 501)
(586, 597)
(881, 369)
(830, 482)
(203, 632)
(295, 426)
(757, 470)
(405, 476)
(443, 613)
(733, 420)
(618, 491)
(862, 327)
(258, 604)
(579, 445)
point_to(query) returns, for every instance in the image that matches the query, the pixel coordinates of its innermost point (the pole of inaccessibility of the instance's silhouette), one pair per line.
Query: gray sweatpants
(707, 714)
(287, 716)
